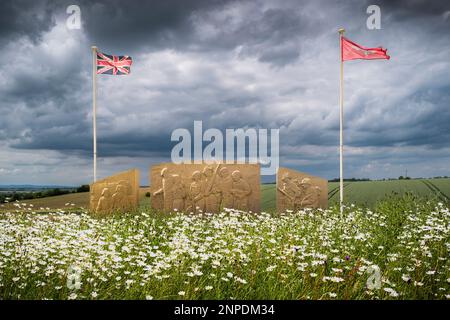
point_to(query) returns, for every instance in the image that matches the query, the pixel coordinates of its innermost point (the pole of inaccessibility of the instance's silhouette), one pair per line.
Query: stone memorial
(205, 187)
(117, 192)
(297, 190)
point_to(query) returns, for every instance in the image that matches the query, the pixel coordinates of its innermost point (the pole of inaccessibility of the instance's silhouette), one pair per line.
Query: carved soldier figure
(224, 185)
(178, 192)
(211, 193)
(240, 190)
(310, 194)
(318, 193)
(119, 198)
(103, 201)
(124, 201)
(298, 194)
(196, 192)
(290, 191)
(297, 190)
(165, 190)
(119, 192)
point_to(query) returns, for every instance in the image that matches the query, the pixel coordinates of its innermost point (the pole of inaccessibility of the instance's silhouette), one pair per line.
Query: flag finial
(341, 30)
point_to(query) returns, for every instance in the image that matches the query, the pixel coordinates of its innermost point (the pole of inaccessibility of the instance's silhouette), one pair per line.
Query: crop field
(368, 193)
(70, 201)
(399, 250)
(363, 193)
(66, 201)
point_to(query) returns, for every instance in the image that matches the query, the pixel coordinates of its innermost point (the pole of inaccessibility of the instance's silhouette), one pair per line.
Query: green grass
(317, 254)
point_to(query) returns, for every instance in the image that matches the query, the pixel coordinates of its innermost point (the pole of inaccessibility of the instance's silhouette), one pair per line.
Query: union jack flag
(116, 65)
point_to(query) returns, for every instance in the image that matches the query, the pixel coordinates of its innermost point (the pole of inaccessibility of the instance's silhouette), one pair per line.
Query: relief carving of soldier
(240, 190)
(115, 193)
(178, 193)
(291, 192)
(211, 193)
(104, 201)
(311, 194)
(318, 194)
(165, 190)
(119, 197)
(196, 198)
(224, 185)
(299, 193)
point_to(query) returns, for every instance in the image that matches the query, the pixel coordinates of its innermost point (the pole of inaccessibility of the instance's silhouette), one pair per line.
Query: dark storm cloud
(272, 35)
(422, 118)
(414, 9)
(42, 93)
(133, 25)
(25, 18)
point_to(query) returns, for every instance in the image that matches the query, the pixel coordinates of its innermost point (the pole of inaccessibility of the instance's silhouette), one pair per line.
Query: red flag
(353, 51)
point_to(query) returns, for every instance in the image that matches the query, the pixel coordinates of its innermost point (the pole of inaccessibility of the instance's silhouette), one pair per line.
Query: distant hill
(32, 187)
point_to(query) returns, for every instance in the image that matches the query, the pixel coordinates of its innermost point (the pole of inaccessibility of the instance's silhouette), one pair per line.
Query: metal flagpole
(94, 106)
(341, 122)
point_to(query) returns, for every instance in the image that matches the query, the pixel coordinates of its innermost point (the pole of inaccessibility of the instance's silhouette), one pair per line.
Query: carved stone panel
(119, 192)
(205, 187)
(297, 190)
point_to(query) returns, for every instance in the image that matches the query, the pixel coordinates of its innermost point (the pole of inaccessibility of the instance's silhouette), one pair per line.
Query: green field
(66, 201)
(362, 193)
(367, 193)
(69, 201)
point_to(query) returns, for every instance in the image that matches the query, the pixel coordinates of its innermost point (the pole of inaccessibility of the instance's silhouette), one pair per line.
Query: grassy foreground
(233, 255)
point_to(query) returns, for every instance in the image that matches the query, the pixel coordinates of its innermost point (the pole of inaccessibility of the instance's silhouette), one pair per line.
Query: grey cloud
(25, 18)
(121, 25)
(411, 9)
(231, 64)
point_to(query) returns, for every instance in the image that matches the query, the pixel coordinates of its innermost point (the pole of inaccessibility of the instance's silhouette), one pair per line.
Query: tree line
(11, 196)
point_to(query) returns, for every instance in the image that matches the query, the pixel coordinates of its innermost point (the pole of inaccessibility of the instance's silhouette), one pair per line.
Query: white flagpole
(94, 106)
(341, 123)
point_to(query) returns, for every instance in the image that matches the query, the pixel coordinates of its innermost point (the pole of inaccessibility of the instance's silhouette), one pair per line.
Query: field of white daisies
(400, 250)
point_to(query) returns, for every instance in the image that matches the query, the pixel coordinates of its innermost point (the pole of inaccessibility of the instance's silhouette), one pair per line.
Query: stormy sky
(231, 64)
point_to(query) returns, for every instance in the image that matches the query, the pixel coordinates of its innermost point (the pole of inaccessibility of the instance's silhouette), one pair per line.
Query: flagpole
(341, 123)
(94, 106)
